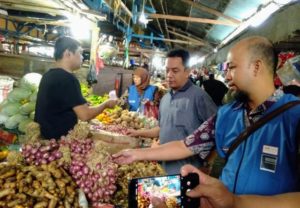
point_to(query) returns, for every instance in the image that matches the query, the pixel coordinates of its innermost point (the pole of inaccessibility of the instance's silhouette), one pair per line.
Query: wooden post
(94, 42)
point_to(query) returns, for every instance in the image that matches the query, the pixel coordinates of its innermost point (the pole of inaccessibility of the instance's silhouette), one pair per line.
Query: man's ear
(67, 53)
(257, 67)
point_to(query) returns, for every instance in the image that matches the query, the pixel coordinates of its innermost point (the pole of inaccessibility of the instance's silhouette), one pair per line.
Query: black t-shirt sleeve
(73, 96)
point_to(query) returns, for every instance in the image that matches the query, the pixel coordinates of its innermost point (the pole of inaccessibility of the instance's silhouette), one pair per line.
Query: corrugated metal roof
(185, 32)
(239, 9)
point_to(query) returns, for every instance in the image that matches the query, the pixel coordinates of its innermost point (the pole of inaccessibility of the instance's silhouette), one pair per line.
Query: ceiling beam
(48, 10)
(165, 22)
(97, 14)
(186, 37)
(124, 7)
(211, 11)
(118, 16)
(182, 42)
(127, 11)
(65, 23)
(30, 3)
(72, 8)
(157, 21)
(32, 8)
(192, 19)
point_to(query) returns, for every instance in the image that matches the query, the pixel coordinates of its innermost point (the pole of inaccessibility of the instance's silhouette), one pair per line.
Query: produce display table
(117, 142)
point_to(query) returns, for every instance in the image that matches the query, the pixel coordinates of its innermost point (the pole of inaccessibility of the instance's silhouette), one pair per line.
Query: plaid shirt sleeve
(202, 140)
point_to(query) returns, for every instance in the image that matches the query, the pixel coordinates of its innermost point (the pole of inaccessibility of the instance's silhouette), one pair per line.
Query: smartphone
(170, 188)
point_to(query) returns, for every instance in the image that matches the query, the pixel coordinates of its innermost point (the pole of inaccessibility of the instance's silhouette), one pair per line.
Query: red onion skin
(33, 150)
(58, 154)
(45, 155)
(38, 154)
(85, 170)
(28, 160)
(86, 190)
(51, 158)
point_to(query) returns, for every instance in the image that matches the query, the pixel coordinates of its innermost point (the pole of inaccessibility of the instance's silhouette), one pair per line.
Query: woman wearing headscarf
(141, 91)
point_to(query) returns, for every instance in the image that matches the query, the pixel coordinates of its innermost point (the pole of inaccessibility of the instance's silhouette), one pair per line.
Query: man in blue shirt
(266, 163)
(181, 110)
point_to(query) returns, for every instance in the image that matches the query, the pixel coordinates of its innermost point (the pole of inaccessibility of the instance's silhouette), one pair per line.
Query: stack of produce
(127, 119)
(38, 154)
(91, 168)
(17, 111)
(92, 98)
(36, 186)
(89, 163)
(108, 116)
(117, 129)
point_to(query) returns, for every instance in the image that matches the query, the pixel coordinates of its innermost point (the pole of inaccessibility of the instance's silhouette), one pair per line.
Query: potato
(42, 204)
(118, 120)
(6, 192)
(52, 203)
(14, 203)
(8, 174)
(11, 185)
(131, 124)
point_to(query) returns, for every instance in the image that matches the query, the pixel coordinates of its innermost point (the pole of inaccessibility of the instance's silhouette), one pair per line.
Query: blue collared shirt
(203, 138)
(180, 113)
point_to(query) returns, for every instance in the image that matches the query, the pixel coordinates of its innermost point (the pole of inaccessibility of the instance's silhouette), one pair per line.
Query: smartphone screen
(171, 189)
(168, 188)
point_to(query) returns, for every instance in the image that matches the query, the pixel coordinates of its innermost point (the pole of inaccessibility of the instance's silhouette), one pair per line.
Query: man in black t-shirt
(215, 88)
(59, 101)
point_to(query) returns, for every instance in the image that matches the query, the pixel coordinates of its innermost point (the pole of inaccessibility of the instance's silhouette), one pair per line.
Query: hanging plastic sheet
(92, 75)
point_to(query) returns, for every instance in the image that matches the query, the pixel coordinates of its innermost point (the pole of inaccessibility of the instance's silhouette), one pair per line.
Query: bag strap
(249, 130)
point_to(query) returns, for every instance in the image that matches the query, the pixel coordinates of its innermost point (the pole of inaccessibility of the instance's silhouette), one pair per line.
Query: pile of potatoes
(45, 186)
(127, 119)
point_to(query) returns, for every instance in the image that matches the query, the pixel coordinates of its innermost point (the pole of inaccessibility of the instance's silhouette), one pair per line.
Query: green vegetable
(14, 121)
(19, 94)
(3, 118)
(31, 81)
(32, 114)
(11, 109)
(27, 108)
(33, 97)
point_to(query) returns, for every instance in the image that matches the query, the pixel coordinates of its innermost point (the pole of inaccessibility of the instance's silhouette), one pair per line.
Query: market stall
(77, 169)
(79, 161)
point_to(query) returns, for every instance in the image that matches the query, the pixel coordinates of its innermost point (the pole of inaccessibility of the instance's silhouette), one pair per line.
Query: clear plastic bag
(290, 71)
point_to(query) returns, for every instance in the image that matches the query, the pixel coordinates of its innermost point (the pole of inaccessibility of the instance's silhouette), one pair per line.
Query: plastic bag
(112, 95)
(290, 71)
(92, 76)
(150, 110)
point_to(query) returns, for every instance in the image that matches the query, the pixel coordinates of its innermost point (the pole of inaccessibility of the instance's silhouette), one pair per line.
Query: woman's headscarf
(145, 79)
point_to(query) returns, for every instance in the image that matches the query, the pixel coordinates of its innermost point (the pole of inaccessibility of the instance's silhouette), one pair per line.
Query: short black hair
(183, 54)
(292, 89)
(65, 43)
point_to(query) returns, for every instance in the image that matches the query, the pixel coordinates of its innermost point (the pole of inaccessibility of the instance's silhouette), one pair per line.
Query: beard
(241, 96)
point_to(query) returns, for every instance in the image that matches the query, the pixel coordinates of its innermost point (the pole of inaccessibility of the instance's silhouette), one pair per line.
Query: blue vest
(268, 157)
(134, 99)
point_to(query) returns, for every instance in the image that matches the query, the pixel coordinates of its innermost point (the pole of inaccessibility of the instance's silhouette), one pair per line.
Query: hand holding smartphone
(171, 189)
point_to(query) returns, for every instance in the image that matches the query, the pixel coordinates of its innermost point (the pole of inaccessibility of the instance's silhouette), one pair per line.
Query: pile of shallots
(91, 167)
